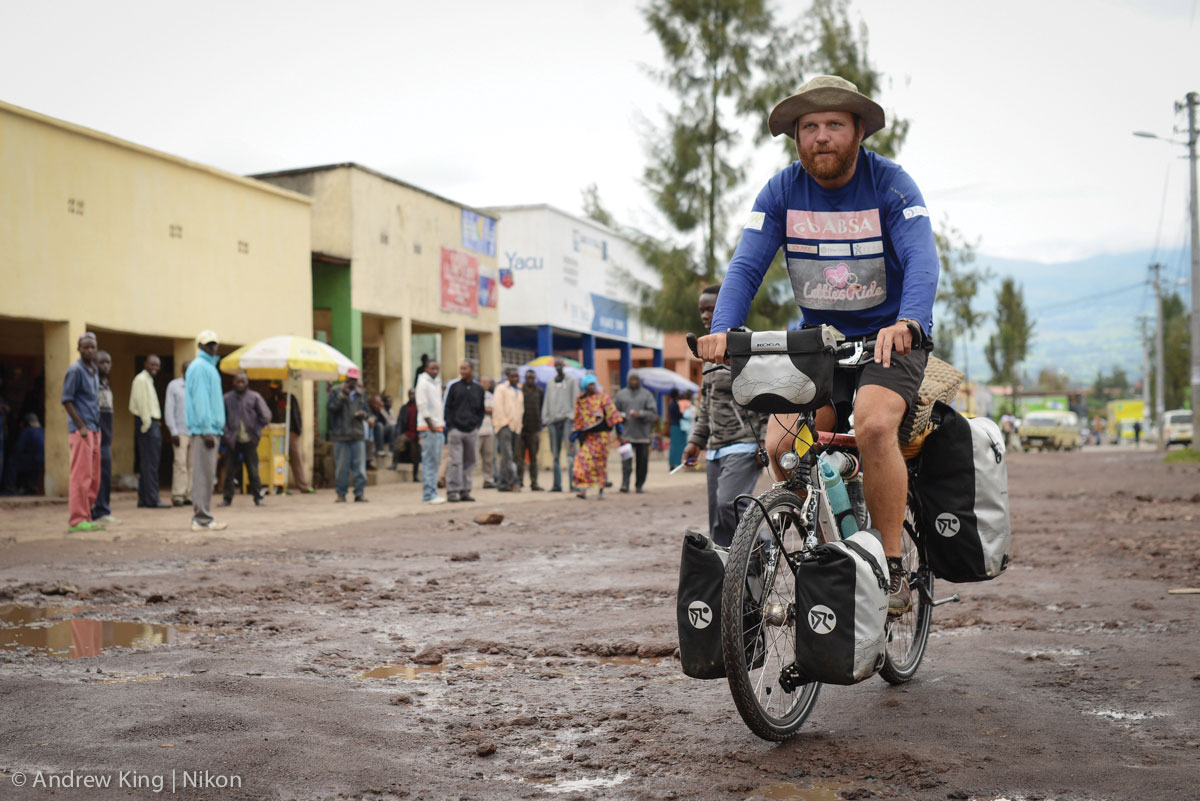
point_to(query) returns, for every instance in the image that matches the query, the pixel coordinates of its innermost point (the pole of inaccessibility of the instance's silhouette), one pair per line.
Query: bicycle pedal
(790, 678)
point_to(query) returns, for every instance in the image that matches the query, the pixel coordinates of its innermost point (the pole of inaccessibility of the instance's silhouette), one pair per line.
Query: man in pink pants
(81, 399)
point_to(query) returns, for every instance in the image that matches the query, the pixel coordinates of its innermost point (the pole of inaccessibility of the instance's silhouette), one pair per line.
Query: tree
(710, 48)
(1051, 380)
(1009, 346)
(958, 286)
(1176, 348)
(593, 209)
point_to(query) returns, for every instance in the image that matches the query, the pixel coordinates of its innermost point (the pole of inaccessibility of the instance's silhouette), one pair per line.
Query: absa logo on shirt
(834, 224)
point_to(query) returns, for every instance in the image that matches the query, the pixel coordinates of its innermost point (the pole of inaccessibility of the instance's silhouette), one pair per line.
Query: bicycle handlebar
(845, 352)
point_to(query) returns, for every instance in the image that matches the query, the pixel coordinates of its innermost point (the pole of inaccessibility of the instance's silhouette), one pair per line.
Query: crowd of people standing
(443, 431)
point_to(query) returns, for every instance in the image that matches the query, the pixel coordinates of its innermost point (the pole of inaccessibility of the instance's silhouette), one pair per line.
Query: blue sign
(479, 233)
(609, 316)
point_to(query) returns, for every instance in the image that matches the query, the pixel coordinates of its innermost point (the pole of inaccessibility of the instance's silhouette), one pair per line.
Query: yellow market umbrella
(283, 357)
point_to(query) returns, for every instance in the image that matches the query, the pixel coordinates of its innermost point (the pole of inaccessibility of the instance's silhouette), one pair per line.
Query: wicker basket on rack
(941, 382)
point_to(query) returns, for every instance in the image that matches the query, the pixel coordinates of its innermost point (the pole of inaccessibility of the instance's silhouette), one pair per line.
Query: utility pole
(1159, 400)
(1193, 99)
(1145, 364)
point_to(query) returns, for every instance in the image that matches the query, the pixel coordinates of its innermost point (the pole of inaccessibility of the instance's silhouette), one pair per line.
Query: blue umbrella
(545, 372)
(661, 380)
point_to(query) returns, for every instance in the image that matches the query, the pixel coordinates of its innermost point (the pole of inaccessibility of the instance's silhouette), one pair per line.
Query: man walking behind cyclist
(861, 257)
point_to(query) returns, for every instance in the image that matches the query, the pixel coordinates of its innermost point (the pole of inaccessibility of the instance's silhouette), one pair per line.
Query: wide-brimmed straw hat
(825, 93)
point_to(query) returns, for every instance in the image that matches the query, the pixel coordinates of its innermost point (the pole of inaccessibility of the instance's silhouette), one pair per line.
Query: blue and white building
(566, 287)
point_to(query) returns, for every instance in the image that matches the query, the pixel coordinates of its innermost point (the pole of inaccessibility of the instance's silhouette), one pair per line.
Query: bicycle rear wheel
(908, 634)
(758, 619)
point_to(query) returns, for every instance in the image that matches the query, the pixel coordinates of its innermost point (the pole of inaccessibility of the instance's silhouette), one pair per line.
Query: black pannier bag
(962, 486)
(841, 610)
(782, 372)
(698, 607)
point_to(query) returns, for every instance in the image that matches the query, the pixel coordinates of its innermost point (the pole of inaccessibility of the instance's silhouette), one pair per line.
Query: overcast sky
(1021, 112)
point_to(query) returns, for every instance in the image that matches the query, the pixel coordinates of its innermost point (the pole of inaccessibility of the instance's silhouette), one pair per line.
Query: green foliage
(728, 62)
(593, 209)
(1176, 349)
(1009, 346)
(958, 286)
(710, 47)
(1184, 456)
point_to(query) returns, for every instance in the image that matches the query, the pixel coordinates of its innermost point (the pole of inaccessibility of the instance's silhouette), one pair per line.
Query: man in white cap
(861, 257)
(204, 412)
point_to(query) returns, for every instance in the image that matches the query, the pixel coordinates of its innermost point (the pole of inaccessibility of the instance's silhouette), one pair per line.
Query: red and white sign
(460, 283)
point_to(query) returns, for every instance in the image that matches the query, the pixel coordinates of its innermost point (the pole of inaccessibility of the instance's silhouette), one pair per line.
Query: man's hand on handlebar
(711, 348)
(897, 336)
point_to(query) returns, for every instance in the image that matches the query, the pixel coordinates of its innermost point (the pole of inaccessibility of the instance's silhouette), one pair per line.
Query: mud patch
(418, 672)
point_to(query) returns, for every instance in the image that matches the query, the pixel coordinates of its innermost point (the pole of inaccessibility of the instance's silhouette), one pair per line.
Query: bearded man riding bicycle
(861, 257)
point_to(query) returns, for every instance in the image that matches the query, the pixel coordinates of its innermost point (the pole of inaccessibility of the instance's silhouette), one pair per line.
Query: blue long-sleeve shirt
(204, 405)
(859, 257)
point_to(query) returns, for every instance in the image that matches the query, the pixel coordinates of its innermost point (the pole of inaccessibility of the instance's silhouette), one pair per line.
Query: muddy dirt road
(427, 657)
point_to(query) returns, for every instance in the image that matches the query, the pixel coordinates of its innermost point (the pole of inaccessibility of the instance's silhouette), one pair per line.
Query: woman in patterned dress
(595, 416)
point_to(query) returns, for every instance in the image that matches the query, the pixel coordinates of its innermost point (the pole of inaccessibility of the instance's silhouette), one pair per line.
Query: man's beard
(829, 170)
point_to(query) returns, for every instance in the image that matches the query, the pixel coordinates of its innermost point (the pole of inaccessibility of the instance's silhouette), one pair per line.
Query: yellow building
(396, 272)
(146, 250)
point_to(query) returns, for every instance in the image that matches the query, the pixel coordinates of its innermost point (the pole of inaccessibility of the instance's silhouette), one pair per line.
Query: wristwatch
(917, 331)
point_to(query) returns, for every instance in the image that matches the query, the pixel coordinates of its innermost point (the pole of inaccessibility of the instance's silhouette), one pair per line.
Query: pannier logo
(699, 614)
(947, 524)
(821, 619)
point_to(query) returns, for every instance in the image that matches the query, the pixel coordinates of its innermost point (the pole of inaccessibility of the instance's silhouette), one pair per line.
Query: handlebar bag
(962, 485)
(781, 372)
(841, 610)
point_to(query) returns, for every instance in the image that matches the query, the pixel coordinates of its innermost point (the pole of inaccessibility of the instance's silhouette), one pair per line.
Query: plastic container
(839, 500)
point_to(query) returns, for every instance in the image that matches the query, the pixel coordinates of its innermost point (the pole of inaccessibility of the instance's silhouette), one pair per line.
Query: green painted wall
(331, 290)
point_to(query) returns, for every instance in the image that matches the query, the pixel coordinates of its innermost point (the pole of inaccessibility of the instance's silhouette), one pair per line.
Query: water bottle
(839, 500)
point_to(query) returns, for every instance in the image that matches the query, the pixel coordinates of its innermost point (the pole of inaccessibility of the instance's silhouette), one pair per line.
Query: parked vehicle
(1177, 427)
(1048, 430)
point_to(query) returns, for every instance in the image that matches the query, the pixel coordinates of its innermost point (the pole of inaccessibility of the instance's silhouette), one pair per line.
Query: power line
(1044, 312)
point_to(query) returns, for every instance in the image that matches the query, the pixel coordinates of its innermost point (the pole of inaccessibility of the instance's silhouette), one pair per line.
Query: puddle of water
(34, 628)
(580, 785)
(628, 661)
(416, 672)
(1124, 717)
(830, 790)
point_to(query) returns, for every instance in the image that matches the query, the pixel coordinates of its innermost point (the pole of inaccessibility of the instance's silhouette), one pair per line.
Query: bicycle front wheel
(758, 604)
(908, 634)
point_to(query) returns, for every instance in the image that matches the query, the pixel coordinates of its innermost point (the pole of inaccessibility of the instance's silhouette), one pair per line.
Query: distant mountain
(1085, 311)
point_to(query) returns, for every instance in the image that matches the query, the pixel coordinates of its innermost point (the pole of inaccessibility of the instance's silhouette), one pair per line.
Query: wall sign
(479, 233)
(460, 283)
(609, 316)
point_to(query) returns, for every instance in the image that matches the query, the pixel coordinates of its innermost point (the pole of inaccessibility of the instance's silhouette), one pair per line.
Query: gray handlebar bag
(782, 372)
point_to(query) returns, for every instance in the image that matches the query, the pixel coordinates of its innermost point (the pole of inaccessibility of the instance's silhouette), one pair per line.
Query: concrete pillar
(184, 351)
(589, 351)
(60, 349)
(626, 362)
(397, 350)
(657, 355)
(489, 354)
(454, 348)
(545, 340)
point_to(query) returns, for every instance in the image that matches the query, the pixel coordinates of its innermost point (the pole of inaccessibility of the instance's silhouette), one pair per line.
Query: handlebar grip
(691, 343)
(918, 338)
